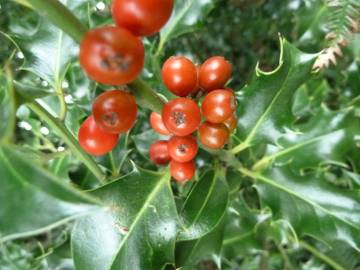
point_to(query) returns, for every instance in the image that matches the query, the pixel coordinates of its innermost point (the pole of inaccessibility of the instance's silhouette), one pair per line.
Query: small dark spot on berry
(183, 148)
(178, 118)
(111, 119)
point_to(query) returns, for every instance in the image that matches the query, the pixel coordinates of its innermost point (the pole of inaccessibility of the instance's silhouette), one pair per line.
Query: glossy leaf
(266, 104)
(205, 206)
(136, 228)
(327, 137)
(311, 205)
(7, 108)
(31, 190)
(208, 247)
(188, 15)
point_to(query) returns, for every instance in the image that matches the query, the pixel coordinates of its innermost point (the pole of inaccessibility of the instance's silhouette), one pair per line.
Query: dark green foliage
(283, 194)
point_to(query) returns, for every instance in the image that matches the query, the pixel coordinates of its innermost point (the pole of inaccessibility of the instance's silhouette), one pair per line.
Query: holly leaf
(205, 206)
(265, 108)
(244, 228)
(325, 138)
(137, 226)
(8, 108)
(189, 253)
(28, 189)
(188, 16)
(312, 206)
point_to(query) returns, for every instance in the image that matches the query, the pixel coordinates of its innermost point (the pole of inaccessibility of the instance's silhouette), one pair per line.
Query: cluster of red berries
(114, 55)
(182, 116)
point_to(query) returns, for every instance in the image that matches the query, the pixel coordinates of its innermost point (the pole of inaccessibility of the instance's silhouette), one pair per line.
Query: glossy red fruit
(159, 153)
(231, 123)
(181, 116)
(111, 55)
(219, 105)
(94, 140)
(142, 17)
(183, 149)
(213, 136)
(214, 73)
(115, 111)
(179, 75)
(157, 124)
(182, 172)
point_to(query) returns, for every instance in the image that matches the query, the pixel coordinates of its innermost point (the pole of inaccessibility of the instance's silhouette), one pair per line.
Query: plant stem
(60, 16)
(68, 138)
(321, 256)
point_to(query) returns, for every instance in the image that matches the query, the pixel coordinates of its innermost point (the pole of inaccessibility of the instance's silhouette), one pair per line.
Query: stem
(68, 138)
(321, 256)
(112, 162)
(60, 16)
(240, 148)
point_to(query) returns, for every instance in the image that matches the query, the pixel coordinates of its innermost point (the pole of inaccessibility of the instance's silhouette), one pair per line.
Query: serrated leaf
(27, 189)
(325, 138)
(266, 104)
(205, 206)
(243, 230)
(311, 205)
(188, 15)
(136, 228)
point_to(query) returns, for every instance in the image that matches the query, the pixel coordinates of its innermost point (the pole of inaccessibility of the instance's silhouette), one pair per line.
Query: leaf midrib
(292, 148)
(285, 189)
(207, 198)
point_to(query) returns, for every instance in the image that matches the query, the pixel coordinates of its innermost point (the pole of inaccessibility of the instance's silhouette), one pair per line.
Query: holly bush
(282, 194)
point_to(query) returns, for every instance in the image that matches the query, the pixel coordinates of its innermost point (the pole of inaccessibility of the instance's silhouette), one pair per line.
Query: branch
(68, 138)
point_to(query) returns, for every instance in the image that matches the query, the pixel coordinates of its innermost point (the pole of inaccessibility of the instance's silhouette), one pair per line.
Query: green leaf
(7, 108)
(28, 189)
(243, 230)
(188, 16)
(310, 204)
(136, 228)
(205, 206)
(266, 104)
(189, 253)
(325, 138)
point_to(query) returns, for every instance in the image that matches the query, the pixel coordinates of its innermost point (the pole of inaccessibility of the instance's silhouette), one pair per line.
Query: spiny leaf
(40, 200)
(312, 206)
(266, 102)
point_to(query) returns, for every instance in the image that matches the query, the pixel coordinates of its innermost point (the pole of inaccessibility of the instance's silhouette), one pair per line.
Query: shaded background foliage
(252, 234)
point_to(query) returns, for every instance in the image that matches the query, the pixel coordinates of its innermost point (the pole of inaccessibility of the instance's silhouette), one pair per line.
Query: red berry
(157, 124)
(182, 172)
(159, 153)
(219, 105)
(94, 140)
(214, 73)
(142, 17)
(179, 75)
(213, 136)
(181, 116)
(111, 55)
(115, 111)
(183, 149)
